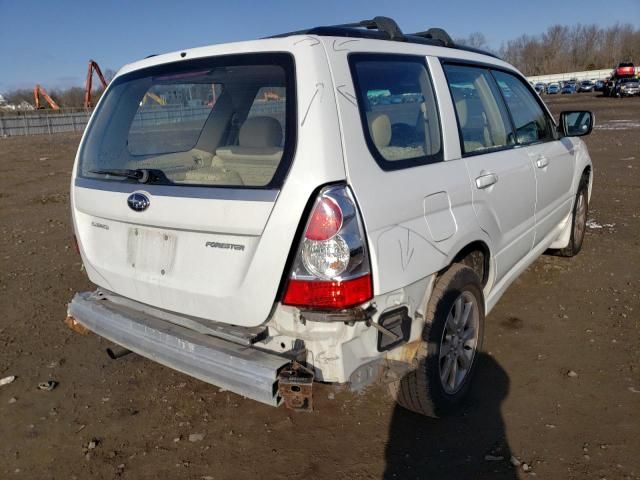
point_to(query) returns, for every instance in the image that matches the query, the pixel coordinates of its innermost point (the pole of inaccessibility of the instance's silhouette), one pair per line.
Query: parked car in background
(569, 88)
(628, 87)
(541, 88)
(586, 86)
(599, 85)
(262, 245)
(571, 81)
(553, 89)
(624, 70)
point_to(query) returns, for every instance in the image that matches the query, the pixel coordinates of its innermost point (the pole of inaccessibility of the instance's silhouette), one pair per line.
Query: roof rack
(385, 28)
(382, 24)
(437, 34)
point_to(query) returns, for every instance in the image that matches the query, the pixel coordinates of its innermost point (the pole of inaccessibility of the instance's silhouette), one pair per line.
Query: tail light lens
(331, 269)
(325, 220)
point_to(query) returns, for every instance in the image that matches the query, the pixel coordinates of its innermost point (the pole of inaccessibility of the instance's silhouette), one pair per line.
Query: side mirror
(576, 124)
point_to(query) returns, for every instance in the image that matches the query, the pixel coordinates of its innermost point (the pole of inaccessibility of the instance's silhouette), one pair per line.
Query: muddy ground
(564, 315)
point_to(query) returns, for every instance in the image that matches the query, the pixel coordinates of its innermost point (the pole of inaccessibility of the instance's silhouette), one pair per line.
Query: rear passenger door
(504, 190)
(552, 159)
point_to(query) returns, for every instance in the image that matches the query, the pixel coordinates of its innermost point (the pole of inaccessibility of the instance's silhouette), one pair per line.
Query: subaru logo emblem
(138, 202)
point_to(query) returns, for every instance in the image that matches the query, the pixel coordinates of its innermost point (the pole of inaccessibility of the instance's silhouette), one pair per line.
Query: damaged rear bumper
(241, 369)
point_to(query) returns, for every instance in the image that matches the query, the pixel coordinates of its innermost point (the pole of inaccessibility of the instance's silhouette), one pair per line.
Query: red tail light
(331, 269)
(325, 221)
(329, 294)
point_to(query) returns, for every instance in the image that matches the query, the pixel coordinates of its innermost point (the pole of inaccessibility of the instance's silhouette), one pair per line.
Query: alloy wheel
(459, 342)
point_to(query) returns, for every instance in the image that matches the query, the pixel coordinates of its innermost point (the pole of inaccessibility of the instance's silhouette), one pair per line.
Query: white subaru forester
(341, 204)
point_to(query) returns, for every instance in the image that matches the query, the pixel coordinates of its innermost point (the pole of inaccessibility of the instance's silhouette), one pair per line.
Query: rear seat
(475, 136)
(252, 162)
(260, 138)
(380, 130)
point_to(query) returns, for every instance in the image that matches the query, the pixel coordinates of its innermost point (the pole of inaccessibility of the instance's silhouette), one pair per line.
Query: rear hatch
(176, 179)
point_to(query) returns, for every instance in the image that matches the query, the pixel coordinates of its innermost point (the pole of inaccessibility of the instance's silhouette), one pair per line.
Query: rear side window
(482, 118)
(217, 121)
(397, 108)
(530, 121)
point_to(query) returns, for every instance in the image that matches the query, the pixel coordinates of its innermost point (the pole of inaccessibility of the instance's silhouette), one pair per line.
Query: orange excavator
(269, 95)
(37, 91)
(93, 67)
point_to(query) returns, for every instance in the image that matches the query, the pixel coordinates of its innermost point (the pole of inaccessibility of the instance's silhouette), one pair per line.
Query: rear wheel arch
(476, 255)
(419, 384)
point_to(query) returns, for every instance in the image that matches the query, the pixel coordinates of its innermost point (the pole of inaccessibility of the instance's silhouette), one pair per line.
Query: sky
(50, 42)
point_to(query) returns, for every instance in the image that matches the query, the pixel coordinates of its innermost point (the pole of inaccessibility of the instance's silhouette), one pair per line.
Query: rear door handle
(484, 181)
(542, 162)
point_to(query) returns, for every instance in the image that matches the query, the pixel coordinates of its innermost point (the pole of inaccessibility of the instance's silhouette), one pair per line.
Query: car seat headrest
(260, 132)
(461, 109)
(380, 129)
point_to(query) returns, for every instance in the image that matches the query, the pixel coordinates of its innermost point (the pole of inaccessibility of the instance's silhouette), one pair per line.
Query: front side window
(397, 108)
(221, 121)
(530, 121)
(483, 121)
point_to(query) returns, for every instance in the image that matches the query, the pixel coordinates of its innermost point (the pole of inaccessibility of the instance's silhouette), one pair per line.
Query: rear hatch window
(221, 121)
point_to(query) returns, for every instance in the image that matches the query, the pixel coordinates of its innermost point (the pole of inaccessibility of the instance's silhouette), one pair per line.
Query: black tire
(578, 221)
(421, 389)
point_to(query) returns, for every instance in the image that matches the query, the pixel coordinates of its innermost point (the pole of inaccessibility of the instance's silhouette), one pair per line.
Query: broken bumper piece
(240, 369)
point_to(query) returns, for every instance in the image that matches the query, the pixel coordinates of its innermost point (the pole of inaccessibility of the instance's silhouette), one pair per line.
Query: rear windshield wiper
(142, 175)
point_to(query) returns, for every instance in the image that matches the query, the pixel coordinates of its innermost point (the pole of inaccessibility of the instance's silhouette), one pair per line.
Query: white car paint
(416, 219)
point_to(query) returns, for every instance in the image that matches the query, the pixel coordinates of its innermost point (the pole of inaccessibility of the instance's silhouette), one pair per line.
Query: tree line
(565, 48)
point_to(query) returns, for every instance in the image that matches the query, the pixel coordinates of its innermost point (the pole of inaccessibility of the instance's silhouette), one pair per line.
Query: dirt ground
(558, 385)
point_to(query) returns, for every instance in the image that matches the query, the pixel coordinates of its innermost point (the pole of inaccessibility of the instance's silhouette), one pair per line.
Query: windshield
(223, 121)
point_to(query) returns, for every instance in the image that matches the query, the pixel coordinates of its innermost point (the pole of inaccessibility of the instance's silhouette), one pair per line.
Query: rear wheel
(578, 221)
(445, 361)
